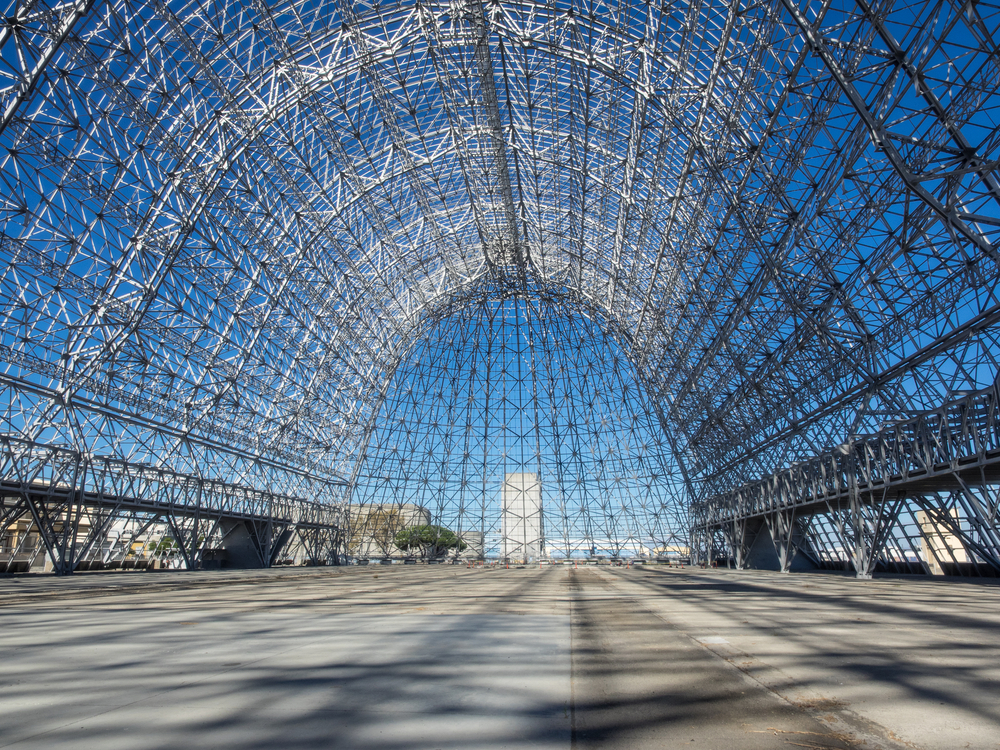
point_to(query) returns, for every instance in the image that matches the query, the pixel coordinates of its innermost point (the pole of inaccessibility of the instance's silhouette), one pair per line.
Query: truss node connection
(364, 254)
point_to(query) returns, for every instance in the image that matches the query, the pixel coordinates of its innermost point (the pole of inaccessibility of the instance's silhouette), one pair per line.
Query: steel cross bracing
(227, 226)
(515, 388)
(58, 487)
(954, 448)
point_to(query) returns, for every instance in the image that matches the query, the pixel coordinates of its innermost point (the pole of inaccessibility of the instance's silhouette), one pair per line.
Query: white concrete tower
(521, 533)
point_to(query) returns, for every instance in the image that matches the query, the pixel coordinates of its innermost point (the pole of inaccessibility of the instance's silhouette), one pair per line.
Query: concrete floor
(459, 659)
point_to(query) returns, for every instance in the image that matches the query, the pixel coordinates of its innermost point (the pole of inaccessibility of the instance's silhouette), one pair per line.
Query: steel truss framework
(946, 462)
(57, 489)
(525, 386)
(228, 226)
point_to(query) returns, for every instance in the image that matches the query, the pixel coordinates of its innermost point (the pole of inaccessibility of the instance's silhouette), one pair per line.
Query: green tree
(429, 540)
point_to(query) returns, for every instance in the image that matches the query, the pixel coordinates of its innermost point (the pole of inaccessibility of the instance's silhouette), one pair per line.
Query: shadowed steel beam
(13, 27)
(881, 139)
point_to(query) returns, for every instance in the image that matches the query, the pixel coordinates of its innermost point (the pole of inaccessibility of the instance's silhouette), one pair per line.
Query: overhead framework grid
(656, 254)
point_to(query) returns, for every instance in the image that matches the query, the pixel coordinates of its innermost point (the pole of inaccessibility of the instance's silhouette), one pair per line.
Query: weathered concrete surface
(641, 684)
(446, 657)
(918, 657)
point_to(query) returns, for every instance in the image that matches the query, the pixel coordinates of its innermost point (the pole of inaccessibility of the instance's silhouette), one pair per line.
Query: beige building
(939, 544)
(672, 550)
(473, 545)
(374, 528)
(21, 547)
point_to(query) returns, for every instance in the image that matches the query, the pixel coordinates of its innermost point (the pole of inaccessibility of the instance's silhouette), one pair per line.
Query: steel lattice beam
(230, 229)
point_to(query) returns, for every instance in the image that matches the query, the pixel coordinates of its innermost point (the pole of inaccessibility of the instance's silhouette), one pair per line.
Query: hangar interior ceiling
(271, 244)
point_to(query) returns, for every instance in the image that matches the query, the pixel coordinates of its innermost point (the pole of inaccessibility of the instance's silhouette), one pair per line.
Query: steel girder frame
(58, 489)
(945, 462)
(225, 225)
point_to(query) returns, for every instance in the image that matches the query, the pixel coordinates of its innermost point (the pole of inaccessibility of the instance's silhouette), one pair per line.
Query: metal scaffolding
(268, 245)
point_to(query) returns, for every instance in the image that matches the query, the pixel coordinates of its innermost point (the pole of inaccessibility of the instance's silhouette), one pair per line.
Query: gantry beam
(953, 447)
(57, 486)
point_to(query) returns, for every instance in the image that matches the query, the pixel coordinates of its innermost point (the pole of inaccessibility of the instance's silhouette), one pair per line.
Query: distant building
(672, 550)
(21, 547)
(521, 530)
(374, 528)
(939, 544)
(119, 546)
(473, 545)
